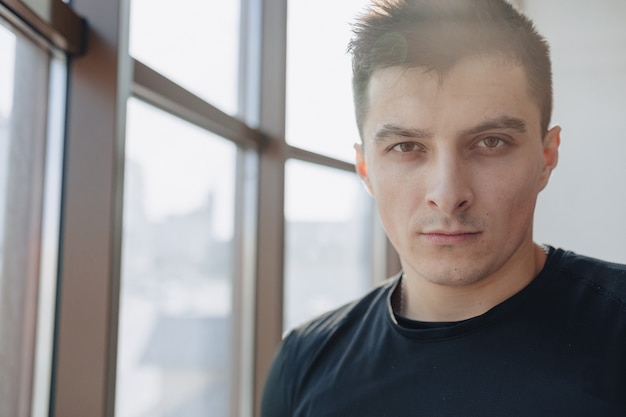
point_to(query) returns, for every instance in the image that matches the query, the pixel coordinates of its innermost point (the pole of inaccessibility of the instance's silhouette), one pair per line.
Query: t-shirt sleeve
(275, 401)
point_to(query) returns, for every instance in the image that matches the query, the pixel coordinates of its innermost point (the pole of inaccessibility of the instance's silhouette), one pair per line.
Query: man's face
(455, 165)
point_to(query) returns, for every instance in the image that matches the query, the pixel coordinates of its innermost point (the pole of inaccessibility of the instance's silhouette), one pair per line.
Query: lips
(450, 238)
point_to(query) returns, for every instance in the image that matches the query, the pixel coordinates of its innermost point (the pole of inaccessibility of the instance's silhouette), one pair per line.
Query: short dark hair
(437, 34)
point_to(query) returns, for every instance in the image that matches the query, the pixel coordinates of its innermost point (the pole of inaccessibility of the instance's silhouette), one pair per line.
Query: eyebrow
(498, 123)
(389, 130)
(386, 131)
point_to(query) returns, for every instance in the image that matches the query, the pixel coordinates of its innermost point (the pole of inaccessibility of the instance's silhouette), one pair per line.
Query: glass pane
(31, 125)
(50, 226)
(41, 7)
(328, 240)
(320, 113)
(174, 332)
(7, 51)
(195, 43)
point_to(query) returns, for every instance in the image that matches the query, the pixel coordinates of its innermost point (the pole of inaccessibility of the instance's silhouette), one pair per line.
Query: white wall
(584, 207)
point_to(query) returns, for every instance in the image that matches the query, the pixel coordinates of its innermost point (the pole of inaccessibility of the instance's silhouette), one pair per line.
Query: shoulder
(306, 348)
(605, 278)
(320, 330)
(317, 339)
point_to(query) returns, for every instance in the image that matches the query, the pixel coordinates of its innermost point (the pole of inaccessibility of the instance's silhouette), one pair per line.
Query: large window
(176, 348)
(175, 205)
(185, 296)
(140, 199)
(176, 300)
(195, 43)
(32, 82)
(328, 240)
(320, 113)
(329, 229)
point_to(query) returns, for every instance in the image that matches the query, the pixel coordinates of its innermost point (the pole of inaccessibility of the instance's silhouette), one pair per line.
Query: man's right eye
(406, 147)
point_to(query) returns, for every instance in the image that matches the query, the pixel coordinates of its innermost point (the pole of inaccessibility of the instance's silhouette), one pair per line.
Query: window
(328, 240)
(195, 44)
(32, 81)
(320, 113)
(154, 207)
(174, 353)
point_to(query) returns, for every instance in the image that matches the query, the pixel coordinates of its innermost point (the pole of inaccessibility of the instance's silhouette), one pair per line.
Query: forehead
(473, 90)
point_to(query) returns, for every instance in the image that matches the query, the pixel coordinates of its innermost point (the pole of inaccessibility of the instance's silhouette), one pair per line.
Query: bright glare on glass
(174, 345)
(50, 226)
(328, 240)
(7, 51)
(195, 43)
(320, 113)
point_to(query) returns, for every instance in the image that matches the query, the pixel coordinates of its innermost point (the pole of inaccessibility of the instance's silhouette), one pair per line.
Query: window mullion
(86, 334)
(270, 255)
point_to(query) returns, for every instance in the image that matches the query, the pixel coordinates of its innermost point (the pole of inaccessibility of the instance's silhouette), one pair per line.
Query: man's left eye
(491, 142)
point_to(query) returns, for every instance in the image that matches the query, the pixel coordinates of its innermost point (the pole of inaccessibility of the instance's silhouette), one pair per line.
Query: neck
(423, 300)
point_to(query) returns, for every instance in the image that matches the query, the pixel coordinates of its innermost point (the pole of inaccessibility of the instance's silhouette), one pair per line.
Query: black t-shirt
(556, 348)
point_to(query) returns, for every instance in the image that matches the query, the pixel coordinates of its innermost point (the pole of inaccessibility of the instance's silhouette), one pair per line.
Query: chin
(453, 276)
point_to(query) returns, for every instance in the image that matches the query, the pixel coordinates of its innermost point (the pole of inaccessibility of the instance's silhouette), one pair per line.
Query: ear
(361, 167)
(551, 142)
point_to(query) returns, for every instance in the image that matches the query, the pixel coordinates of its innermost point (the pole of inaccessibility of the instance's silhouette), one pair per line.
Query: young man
(453, 101)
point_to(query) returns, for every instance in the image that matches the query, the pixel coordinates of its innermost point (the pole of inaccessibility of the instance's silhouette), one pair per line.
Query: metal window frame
(161, 92)
(62, 29)
(271, 173)
(89, 281)
(89, 263)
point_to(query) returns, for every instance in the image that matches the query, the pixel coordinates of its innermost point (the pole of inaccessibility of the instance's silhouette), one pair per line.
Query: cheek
(513, 198)
(397, 202)
(394, 202)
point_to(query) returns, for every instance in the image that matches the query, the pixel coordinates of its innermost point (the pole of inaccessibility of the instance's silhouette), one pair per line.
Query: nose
(449, 185)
